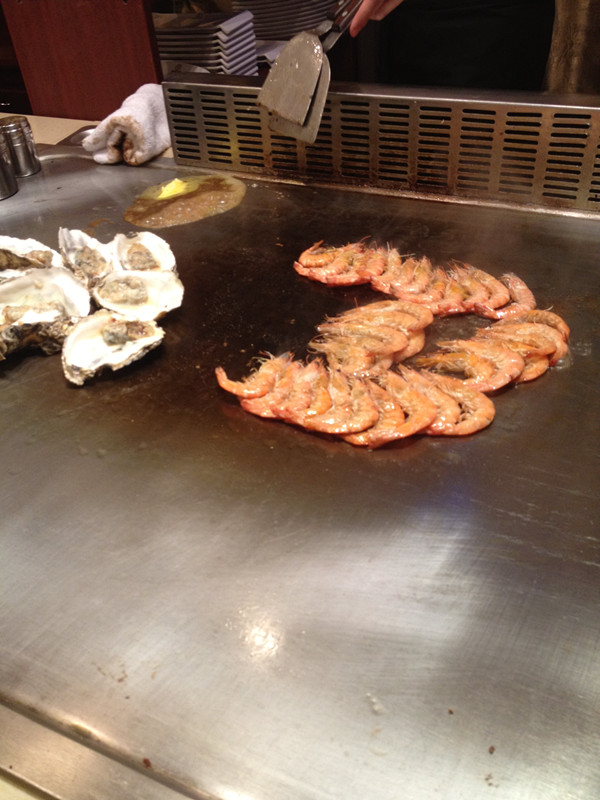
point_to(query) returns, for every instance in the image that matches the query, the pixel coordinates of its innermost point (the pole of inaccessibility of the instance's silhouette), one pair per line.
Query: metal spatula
(295, 90)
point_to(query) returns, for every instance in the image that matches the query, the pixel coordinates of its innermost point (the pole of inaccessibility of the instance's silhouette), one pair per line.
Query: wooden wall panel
(81, 58)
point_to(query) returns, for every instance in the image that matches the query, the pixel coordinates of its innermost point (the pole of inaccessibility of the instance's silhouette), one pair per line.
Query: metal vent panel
(541, 154)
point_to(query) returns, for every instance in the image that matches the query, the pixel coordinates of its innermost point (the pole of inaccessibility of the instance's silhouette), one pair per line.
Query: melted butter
(185, 200)
(173, 188)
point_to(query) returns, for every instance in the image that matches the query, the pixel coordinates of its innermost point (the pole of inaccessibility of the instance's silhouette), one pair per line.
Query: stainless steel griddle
(199, 603)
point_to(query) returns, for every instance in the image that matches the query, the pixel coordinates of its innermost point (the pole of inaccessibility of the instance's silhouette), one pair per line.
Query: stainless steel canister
(22, 148)
(8, 180)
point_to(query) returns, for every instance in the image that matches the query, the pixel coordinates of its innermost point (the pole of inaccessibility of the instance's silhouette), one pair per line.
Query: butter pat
(173, 188)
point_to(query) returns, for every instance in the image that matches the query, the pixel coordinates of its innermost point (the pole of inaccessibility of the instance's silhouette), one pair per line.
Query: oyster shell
(17, 255)
(106, 340)
(139, 294)
(47, 336)
(88, 258)
(37, 308)
(41, 295)
(143, 251)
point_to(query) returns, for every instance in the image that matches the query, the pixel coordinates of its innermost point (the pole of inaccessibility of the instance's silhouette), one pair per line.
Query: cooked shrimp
(357, 268)
(477, 410)
(545, 318)
(442, 290)
(534, 367)
(403, 314)
(394, 319)
(477, 370)
(351, 357)
(376, 262)
(320, 399)
(427, 287)
(416, 342)
(405, 279)
(423, 274)
(498, 293)
(519, 330)
(448, 409)
(453, 296)
(528, 348)
(382, 283)
(352, 408)
(330, 271)
(397, 270)
(533, 352)
(389, 424)
(376, 339)
(520, 299)
(265, 405)
(260, 381)
(508, 364)
(423, 315)
(474, 290)
(420, 410)
(300, 395)
(317, 256)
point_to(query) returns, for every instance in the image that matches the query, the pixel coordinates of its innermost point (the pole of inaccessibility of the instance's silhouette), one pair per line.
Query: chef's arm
(371, 9)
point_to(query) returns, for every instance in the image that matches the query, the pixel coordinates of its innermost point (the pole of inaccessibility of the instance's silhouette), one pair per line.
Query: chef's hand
(371, 9)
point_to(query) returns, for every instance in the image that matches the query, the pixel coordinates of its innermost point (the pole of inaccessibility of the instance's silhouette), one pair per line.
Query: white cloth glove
(135, 132)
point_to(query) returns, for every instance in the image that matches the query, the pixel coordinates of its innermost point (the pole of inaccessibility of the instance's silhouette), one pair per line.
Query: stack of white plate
(267, 51)
(281, 19)
(220, 43)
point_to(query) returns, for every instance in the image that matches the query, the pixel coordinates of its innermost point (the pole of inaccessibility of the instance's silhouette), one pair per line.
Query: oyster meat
(139, 294)
(88, 258)
(106, 340)
(17, 255)
(142, 251)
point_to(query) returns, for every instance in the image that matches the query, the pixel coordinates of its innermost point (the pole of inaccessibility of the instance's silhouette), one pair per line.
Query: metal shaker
(22, 148)
(8, 179)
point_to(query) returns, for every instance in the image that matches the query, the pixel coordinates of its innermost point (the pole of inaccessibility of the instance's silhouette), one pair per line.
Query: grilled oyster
(142, 251)
(38, 306)
(139, 294)
(106, 340)
(50, 292)
(88, 258)
(17, 255)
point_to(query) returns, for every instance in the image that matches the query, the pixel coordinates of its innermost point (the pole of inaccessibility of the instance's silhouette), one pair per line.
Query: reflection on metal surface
(262, 641)
(261, 636)
(230, 794)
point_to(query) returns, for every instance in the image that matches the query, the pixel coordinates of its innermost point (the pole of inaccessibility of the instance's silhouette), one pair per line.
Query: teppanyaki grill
(423, 616)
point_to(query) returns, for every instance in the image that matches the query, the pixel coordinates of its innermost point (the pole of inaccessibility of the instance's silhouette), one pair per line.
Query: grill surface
(514, 150)
(198, 603)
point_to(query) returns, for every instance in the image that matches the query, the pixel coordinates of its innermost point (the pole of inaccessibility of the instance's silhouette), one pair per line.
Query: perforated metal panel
(536, 151)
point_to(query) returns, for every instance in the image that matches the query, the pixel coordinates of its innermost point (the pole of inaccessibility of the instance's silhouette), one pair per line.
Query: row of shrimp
(352, 390)
(361, 411)
(366, 341)
(458, 289)
(513, 350)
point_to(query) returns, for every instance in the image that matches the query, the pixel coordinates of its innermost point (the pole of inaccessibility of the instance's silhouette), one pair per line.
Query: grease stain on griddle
(184, 200)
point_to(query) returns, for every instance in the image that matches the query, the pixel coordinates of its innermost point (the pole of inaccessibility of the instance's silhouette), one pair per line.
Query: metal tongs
(295, 90)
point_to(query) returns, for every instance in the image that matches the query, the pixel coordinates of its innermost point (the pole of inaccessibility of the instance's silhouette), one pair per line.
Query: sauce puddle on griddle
(185, 200)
